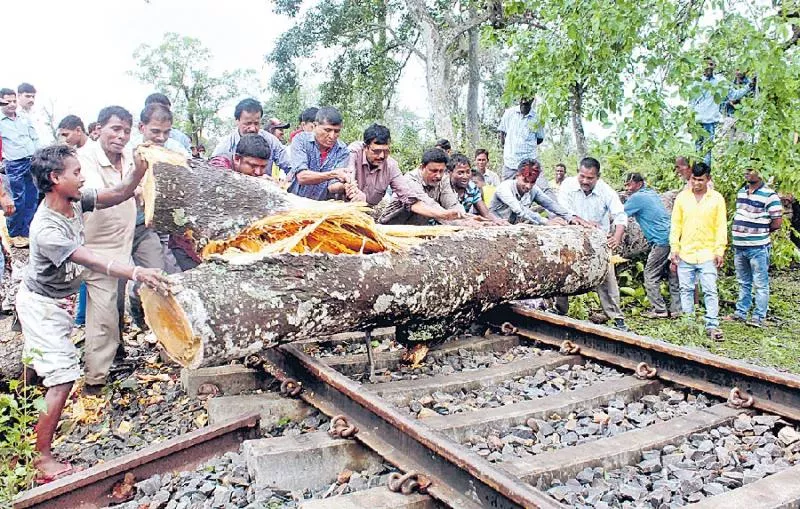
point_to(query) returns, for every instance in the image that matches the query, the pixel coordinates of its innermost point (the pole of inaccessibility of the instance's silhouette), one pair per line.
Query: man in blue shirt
(706, 106)
(20, 141)
(644, 205)
(319, 158)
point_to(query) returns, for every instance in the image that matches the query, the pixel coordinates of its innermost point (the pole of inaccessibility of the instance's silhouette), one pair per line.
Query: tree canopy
(178, 67)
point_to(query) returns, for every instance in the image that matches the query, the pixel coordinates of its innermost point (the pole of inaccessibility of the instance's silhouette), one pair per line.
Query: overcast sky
(78, 54)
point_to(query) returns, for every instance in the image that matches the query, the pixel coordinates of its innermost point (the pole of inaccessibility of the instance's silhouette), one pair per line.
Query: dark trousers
(146, 252)
(655, 271)
(24, 194)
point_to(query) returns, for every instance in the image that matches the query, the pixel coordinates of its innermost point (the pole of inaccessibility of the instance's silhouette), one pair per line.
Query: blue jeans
(711, 129)
(80, 314)
(752, 270)
(24, 194)
(707, 272)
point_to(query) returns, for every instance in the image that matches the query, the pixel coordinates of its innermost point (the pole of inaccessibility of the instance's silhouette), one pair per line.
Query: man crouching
(57, 255)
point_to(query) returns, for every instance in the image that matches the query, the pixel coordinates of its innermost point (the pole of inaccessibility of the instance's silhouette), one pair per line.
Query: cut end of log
(154, 154)
(168, 321)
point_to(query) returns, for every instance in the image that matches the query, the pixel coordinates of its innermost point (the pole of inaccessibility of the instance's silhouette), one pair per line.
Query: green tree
(575, 56)
(178, 67)
(373, 41)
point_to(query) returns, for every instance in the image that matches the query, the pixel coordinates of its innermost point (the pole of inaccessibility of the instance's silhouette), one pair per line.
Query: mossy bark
(220, 312)
(633, 243)
(212, 203)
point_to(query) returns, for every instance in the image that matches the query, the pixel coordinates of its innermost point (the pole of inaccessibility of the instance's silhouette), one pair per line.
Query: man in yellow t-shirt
(698, 236)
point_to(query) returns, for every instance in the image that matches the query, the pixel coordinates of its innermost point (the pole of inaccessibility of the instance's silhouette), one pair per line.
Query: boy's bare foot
(50, 469)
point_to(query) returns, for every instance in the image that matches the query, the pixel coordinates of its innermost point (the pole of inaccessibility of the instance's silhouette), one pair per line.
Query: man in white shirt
(109, 233)
(520, 134)
(591, 199)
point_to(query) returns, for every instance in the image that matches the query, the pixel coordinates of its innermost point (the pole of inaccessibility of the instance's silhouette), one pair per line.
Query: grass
(775, 345)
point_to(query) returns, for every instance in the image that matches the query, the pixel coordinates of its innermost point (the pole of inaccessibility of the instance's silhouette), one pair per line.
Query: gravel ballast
(538, 436)
(705, 464)
(224, 482)
(541, 384)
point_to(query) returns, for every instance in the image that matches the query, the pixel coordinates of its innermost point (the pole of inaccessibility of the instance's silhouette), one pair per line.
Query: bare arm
(484, 211)
(6, 202)
(153, 278)
(435, 211)
(776, 224)
(111, 196)
(309, 178)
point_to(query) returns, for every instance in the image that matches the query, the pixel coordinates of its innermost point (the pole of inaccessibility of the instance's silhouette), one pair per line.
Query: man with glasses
(372, 171)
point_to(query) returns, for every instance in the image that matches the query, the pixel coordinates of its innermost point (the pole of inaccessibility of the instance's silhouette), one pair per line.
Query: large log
(222, 311)
(211, 203)
(11, 342)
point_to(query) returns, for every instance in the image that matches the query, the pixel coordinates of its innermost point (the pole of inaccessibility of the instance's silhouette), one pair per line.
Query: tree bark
(212, 203)
(10, 341)
(10, 355)
(473, 127)
(633, 243)
(576, 114)
(219, 312)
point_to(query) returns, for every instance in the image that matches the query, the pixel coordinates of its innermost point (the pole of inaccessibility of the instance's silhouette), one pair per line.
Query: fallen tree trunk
(11, 342)
(209, 202)
(221, 311)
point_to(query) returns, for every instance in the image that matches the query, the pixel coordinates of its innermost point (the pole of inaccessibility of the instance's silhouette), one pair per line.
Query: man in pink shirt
(372, 170)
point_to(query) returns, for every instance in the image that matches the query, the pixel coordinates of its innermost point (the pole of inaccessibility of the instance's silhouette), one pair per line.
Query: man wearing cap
(277, 128)
(645, 205)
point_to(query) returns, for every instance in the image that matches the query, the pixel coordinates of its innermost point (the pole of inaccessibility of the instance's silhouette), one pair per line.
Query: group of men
(445, 188)
(688, 245)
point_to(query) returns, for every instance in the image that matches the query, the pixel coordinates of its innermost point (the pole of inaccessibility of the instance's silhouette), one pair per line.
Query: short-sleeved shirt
(471, 196)
(19, 137)
(109, 232)
(646, 207)
(522, 132)
(398, 211)
(754, 213)
(306, 155)
(53, 239)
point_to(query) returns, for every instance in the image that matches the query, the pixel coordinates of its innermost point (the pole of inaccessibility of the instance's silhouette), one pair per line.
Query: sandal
(715, 334)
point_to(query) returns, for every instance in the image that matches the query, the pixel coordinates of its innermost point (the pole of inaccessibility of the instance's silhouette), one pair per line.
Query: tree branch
(451, 35)
(795, 37)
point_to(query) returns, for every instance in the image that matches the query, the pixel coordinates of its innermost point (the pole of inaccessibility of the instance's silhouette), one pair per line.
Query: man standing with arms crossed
(520, 134)
(758, 213)
(698, 236)
(20, 141)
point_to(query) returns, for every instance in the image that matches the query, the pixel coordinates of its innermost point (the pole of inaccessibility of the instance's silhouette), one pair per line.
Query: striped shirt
(471, 196)
(522, 132)
(754, 213)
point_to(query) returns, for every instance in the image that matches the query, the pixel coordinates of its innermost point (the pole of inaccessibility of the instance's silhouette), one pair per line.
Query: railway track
(545, 412)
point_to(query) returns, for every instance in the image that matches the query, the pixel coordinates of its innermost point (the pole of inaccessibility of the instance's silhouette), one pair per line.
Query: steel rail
(459, 478)
(91, 488)
(772, 391)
